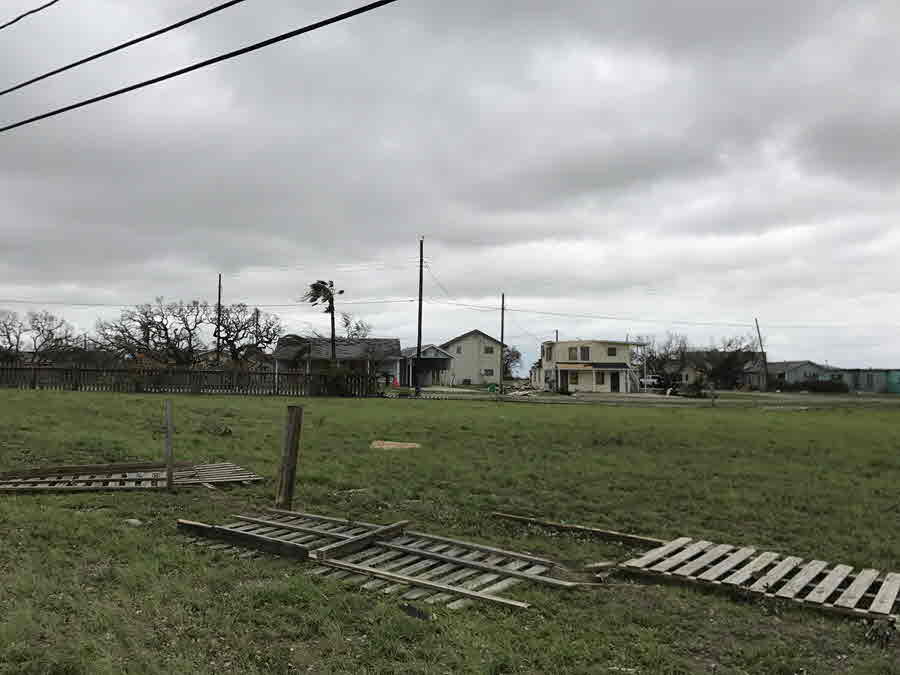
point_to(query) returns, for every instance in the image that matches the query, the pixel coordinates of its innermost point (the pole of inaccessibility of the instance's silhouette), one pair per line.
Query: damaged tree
(165, 333)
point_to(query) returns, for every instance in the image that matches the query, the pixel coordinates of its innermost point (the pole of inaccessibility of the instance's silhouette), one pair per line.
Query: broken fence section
(135, 476)
(388, 559)
(813, 583)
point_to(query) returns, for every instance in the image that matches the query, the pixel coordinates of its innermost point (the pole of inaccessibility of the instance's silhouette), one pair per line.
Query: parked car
(651, 381)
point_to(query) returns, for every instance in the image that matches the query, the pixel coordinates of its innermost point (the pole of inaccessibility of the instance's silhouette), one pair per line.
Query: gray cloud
(694, 160)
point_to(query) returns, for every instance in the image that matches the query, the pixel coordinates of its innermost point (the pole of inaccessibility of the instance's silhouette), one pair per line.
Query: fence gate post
(170, 455)
(293, 429)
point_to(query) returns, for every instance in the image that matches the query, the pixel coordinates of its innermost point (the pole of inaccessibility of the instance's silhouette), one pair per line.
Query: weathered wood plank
(657, 553)
(747, 571)
(887, 595)
(850, 597)
(480, 566)
(773, 576)
(802, 579)
(261, 542)
(504, 583)
(424, 583)
(828, 585)
(682, 556)
(360, 541)
(707, 558)
(581, 529)
(294, 528)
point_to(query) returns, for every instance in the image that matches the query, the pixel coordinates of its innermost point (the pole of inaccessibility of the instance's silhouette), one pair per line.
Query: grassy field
(83, 592)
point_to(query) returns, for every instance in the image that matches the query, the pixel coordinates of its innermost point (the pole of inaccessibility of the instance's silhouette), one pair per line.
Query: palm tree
(322, 293)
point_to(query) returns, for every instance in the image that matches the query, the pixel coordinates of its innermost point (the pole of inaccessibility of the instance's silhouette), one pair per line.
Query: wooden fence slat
(802, 579)
(658, 553)
(857, 589)
(180, 381)
(884, 601)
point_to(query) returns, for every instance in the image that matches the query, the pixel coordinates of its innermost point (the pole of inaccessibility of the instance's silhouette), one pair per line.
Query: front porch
(598, 378)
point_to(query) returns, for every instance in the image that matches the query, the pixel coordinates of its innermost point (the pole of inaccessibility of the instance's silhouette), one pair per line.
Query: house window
(459, 349)
(685, 377)
(573, 353)
(489, 372)
(600, 377)
(573, 378)
(549, 352)
(488, 349)
(610, 351)
(585, 353)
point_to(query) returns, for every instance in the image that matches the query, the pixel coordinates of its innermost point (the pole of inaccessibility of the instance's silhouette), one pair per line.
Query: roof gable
(446, 344)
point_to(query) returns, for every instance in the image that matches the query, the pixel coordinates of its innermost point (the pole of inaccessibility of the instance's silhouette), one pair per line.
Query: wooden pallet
(98, 477)
(388, 559)
(812, 583)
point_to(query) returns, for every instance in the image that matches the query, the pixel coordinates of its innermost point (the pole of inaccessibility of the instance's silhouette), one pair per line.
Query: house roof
(291, 347)
(784, 366)
(410, 352)
(465, 335)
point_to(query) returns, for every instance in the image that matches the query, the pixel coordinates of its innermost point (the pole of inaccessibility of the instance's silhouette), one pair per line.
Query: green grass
(82, 592)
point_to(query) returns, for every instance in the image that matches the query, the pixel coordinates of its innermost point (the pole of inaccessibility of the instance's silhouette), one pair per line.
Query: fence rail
(161, 381)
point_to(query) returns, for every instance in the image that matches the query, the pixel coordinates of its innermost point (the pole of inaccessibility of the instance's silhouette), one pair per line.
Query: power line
(438, 282)
(23, 301)
(29, 12)
(124, 45)
(598, 316)
(202, 64)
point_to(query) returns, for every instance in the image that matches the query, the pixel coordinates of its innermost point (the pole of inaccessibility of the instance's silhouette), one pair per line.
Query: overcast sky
(677, 165)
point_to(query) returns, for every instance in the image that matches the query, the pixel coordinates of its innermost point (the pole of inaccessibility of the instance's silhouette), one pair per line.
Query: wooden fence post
(293, 429)
(170, 456)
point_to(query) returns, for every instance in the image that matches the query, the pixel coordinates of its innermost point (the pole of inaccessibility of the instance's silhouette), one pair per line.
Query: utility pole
(219, 324)
(762, 349)
(557, 335)
(502, 317)
(419, 338)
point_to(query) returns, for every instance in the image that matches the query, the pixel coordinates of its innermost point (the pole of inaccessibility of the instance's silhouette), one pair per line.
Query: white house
(476, 358)
(602, 366)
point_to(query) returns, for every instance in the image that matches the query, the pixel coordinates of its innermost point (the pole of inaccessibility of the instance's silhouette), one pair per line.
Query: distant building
(313, 354)
(434, 368)
(873, 380)
(602, 366)
(475, 358)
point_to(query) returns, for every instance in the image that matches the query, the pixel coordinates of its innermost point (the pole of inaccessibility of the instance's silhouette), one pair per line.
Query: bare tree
(165, 332)
(666, 359)
(244, 331)
(12, 335)
(48, 334)
(512, 358)
(355, 328)
(323, 293)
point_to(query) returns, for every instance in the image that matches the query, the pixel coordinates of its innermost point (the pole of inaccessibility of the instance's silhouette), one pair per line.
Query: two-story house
(476, 358)
(602, 366)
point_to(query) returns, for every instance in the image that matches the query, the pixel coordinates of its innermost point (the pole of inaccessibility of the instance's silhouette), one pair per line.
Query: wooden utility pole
(502, 318)
(419, 337)
(287, 473)
(219, 323)
(762, 349)
(170, 453)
